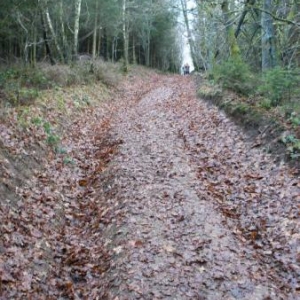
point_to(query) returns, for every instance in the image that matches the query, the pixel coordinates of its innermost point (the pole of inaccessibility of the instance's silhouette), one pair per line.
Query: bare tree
(189, 33)
(49, 25)
(76, 27)
(268, 37)
(125, 36)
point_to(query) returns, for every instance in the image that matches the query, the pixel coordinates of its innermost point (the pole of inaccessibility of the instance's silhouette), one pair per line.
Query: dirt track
(191, 186)
(165, 198)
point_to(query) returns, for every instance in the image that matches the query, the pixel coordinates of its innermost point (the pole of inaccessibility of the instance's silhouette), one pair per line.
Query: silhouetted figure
(186, 69)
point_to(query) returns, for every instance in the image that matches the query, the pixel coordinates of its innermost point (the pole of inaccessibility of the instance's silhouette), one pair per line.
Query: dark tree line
(61, 31)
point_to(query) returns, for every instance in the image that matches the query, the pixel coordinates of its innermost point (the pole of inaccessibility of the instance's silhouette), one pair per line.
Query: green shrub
(37, 121)
(295, 119)
(265, 103)
(23, 116)
(11, 91)
(34, 77)
(68, 160)
(241, 108)
(52, 140)
(292, 144)
(235, 75)
(287, 139)
(26, 96)
(7, 76)
(81, 100)
(278, 84)
(210, 91)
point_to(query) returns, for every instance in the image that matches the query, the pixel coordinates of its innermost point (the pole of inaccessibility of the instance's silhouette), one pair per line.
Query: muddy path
(205, 216)
(157, 195)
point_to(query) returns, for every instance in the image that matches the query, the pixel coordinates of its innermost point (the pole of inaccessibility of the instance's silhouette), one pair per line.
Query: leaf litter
(164, 199)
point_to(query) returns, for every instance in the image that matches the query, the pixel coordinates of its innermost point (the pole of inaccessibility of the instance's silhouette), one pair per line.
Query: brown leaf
(83, 182)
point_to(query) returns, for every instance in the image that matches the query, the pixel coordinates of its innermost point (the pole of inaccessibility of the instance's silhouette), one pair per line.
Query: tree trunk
(76, 28)
(45, 36)
(148, 47)
(99, 41)
(292, 53)
(33, 53)
(268, 38)
(94, 52)
(248, 7)
(48, 23)
(231, 38)
(66, 54)
(208, 49)
(114, 48)
(133, 50)
(189, 33)
(26, 37)
(125, 38)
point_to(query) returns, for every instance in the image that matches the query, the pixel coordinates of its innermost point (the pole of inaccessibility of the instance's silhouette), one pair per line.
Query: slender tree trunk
(45, 35)
(99, 41)
(107, 46)
(26, 38)
(94, 52)
(268, 38)
(125, 38)
(248, 7)
(207, 52)
(133, 50)
(33, 57)
(48, 23)
(148, 47)
(63, 34)
(292, 34)
(76, 28)
(189, 33)
(113, 51)
(231, 38)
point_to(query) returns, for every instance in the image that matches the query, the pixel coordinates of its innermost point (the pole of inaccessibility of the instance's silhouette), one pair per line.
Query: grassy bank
(269, 111)
(37, 109)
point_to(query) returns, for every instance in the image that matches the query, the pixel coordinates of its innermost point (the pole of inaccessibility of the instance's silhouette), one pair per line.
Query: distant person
(186, 69)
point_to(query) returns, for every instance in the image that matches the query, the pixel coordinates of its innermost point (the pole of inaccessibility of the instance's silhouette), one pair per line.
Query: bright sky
(186, 55)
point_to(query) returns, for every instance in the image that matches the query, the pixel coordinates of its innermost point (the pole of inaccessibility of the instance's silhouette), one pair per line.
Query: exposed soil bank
(265, 129)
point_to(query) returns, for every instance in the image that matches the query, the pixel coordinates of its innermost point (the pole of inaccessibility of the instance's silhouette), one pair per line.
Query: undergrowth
(273, 97)
(235, 75)
(22, 85)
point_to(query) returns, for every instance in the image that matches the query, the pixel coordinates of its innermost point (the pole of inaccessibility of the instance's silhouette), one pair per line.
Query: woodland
(120, 178)
(263, 33)
(250, 47)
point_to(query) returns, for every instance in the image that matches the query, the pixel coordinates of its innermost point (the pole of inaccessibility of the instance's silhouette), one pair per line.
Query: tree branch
(277, 18)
